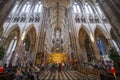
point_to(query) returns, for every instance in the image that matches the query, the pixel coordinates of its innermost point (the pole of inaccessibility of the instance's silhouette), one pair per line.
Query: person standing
(60, 67)
(65, 67)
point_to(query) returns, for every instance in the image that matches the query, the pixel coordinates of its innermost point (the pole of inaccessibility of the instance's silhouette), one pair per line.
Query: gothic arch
(85, 44)
(30, 36)
(102, 31)
(11, 29)
(12, 33)
(99, 35)
(29, 28)
(83, 32)
(11, 43)
(85, 28)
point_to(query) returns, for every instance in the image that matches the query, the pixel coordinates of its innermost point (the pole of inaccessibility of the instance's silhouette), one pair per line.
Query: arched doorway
(86, 46)
(102, 43)
(10, 45)
(28, 46)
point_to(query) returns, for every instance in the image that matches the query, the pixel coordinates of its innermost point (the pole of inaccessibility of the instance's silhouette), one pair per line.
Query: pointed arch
(102, 31)
(85, 28)
(30, 37)
(99, 32)
(29, 28)
(101, 39)
(14, 31)
(12, 38)
(13, 28)
(83, 32)
(85, 44)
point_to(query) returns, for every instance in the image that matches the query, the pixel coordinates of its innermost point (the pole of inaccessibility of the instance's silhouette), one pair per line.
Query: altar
(57, 58)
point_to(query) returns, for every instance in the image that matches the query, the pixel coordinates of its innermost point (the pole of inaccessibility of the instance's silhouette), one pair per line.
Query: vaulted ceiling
(66, 3)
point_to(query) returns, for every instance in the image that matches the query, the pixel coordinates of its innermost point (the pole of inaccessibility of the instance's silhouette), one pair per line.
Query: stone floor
(65, 75)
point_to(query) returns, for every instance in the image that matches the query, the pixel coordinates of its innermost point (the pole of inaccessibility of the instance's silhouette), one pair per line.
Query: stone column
(78, 50)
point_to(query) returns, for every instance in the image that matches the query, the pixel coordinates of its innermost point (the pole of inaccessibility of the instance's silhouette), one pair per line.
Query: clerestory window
(15, 7)
(88, 8)
(38, 8)
(76, 8)
(98, 9)
(26, 8)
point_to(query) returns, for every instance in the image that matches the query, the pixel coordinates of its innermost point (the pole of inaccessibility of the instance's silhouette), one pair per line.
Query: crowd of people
(31, 72)
(58, 67)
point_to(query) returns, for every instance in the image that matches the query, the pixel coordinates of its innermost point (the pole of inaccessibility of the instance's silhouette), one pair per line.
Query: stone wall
(5, 8)
(112, 12)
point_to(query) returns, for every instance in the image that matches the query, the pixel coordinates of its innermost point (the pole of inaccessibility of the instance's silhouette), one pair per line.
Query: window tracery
(23, 18)
(26, 8)
(76, 8)
(15, 7)
(38, 8)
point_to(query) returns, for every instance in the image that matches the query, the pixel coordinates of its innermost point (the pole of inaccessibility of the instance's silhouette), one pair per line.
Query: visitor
(57, 65)
(37, 71)
(53, 68)
(65, 67)
(50, 66)
(46, 67)
(42, 68)
(30, 75)
(60, 67)
(100, 66)
(19, 74)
